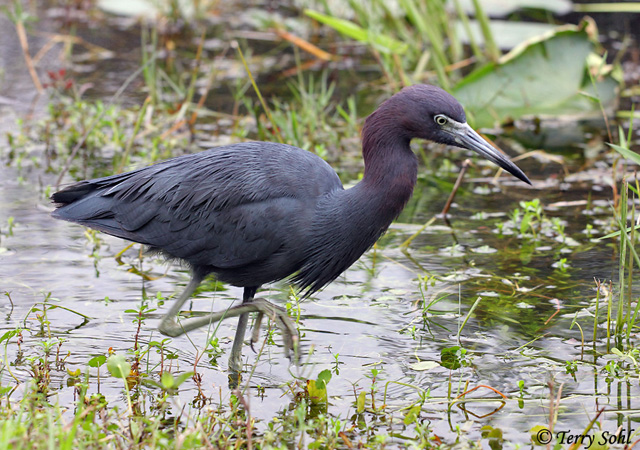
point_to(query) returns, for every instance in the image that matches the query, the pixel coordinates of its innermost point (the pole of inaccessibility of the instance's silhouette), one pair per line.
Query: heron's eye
(441, 119)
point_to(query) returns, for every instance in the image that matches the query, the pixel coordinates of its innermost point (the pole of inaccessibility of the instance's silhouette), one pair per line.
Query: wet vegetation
(510, 320)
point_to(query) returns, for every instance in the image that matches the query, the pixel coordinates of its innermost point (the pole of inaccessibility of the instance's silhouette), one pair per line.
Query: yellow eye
(441, 119)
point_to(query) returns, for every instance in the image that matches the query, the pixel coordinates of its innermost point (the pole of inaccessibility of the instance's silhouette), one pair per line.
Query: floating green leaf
(424, 365)
(97, 361)
(118, 366)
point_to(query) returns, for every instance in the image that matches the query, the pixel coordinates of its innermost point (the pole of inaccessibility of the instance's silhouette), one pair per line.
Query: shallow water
(371, 317)
(366, 317)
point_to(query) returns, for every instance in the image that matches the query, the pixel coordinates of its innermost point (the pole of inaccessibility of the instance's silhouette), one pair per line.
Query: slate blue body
(257, 212)
(251, 213)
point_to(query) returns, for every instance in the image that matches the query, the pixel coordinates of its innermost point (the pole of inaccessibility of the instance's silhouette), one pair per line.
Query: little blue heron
(257, 212)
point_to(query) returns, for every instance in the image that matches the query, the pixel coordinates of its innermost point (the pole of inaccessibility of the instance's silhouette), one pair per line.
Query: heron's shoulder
(278, 167)
(263, 154)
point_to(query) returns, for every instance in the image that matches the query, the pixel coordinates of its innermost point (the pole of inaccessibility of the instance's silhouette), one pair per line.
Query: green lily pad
(118, 366)
(424, 365)
(545, 76)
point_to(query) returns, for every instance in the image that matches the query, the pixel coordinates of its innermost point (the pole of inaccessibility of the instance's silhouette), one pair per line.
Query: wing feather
(224, 207)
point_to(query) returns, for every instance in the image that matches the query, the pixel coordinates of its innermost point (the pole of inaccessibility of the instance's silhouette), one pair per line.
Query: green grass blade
(383, 43)
(633, 156)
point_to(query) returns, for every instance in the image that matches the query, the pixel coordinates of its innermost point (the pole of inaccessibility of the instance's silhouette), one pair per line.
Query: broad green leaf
(362, 397)
(167, 380)
(118, 366)
(97, 361)
(317, 394)
(8, 335)
(318, 388)
(323, 378)
(546, 76)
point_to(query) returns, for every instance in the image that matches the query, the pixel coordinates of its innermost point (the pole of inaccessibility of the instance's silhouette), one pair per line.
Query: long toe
(255, 333)
(283, 321)
(290, 337)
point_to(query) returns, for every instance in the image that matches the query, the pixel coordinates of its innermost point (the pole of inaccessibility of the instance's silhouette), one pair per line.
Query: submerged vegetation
(510, 320)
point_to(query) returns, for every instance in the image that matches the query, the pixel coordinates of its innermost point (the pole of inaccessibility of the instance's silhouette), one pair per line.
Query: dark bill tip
(466, 137)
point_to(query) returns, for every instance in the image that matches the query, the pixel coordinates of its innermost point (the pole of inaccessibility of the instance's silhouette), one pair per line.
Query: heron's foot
(282, 320)
(255, 332)
(169, 327)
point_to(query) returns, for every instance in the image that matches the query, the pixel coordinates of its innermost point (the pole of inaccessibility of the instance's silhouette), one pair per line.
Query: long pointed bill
(466, 137)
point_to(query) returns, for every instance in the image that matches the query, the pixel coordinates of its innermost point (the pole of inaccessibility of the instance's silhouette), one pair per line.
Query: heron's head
(428, 112)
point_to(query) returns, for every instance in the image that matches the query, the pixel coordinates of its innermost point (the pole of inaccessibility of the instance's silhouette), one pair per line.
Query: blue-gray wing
(225, 207)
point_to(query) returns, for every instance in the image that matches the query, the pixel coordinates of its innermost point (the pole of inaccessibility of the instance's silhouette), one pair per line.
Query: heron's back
(235, 210)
